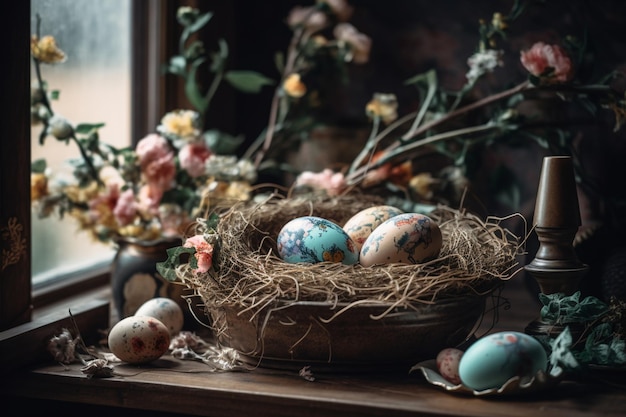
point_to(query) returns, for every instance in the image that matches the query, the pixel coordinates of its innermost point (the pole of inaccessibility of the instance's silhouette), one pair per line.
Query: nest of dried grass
(476, 258)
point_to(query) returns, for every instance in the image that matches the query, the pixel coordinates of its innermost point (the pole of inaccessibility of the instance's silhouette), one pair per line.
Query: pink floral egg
(408, 238)
(361, 225)
(448, 364)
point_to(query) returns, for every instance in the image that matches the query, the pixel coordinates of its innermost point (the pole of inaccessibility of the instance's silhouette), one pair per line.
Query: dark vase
(134, 277)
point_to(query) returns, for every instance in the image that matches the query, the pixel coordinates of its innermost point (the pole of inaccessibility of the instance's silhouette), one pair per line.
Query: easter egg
(361, 225)
(448, 364)
(311, 239)
(494, 359)
(166, 310)
(408, 238)
(139, 339)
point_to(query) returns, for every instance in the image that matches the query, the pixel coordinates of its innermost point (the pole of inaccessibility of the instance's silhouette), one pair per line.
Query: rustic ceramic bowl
(289, 335)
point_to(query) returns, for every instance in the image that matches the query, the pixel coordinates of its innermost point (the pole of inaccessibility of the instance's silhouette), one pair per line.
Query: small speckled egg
(494, 359)
(313, 239)
(139, 339)
(408, 238)
(166, 310)
(448, 364)
(361, 225)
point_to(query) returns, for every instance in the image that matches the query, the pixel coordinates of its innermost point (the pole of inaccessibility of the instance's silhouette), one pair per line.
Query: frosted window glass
(95, 87)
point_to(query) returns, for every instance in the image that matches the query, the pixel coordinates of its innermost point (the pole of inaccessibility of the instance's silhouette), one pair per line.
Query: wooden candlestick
(556, 267)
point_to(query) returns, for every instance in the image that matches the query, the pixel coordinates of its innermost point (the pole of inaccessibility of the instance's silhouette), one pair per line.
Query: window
(95, 87)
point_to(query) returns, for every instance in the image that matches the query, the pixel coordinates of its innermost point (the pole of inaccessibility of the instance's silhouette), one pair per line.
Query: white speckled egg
(448, 364)
(494, 359)
(361, 225)
(313, 239)
(407, 238)
(139, 339)
(166, 310)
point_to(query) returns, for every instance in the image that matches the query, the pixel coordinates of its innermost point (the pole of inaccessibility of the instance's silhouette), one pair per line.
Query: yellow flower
(38, 186)
(184, 124)
(319, 41)
(222, 190)
(45, 50)
(81, 194)
(293, 86)
(423, 185)
(498, 21)
(384, 106)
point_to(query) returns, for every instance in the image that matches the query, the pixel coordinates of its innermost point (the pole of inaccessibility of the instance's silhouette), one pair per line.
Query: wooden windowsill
(26, 344)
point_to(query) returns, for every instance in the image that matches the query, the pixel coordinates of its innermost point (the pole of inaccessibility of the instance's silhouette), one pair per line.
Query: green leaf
(428, 77)
(202, 20)
(86, 128)
(196, 25)
(279, 61)
(167, 268)
(561, 309)
(561, 356)
(222, 143)
(39, 166)
(211, 222)
(247, 81)
(43, 135)
(192, 90)
(218, 59)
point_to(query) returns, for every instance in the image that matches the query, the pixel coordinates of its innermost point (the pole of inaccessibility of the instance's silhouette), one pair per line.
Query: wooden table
(183, 387)
(174, 387)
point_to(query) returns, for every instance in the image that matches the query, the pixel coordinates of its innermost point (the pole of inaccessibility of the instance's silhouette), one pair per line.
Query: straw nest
(476, 258)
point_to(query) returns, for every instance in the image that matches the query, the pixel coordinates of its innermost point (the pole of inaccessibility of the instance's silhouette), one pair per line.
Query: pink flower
(360, 43)
(102, 205)
(340, 8)
(148, 200)
(548, 62)
(126, 209)
(311, 19)
(333, 182)
(193, 157)
(157, 162)
(204, 252)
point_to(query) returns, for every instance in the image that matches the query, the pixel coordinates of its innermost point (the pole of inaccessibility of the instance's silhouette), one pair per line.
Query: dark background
(412, 36)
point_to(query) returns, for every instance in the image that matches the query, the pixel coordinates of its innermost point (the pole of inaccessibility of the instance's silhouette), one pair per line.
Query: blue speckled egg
(494, 359)
(313, 239)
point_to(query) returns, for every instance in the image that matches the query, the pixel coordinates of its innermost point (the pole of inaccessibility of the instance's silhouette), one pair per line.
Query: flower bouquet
(170, 177)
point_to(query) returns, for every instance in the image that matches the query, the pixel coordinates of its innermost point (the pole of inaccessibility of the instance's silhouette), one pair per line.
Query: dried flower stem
(300, 34)
(388, 155)
(400, 148)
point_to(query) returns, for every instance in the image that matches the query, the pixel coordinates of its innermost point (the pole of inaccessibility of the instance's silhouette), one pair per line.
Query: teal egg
(494, 359)
(311, 239)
